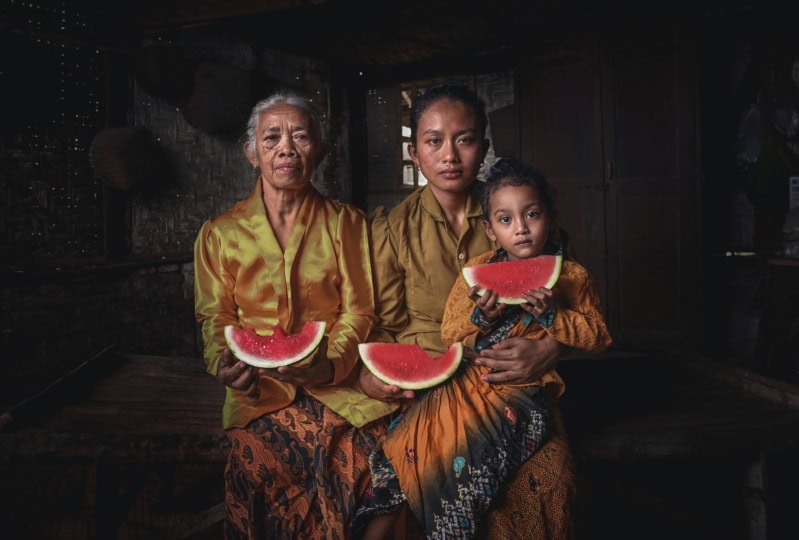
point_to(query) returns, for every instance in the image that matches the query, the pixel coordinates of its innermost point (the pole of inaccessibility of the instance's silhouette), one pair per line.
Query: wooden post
(754, 493)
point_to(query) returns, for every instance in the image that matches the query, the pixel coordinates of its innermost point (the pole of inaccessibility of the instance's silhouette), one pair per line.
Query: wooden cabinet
(612, 121)
(778, 333)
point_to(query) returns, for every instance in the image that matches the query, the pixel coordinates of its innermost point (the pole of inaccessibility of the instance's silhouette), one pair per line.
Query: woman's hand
(238, 375)
(319, 371)
(377, 389)
(487, 302)
(519, 360)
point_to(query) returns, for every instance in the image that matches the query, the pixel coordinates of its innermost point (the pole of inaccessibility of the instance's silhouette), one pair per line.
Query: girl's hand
(238, 375)
(538, 301)
(377, 389)
(487, 302)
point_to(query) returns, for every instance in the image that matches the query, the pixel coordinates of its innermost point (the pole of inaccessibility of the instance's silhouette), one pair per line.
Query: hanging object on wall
(750, 138)
(163, 70)
(130, 159)
(221, 99)
(502, 123)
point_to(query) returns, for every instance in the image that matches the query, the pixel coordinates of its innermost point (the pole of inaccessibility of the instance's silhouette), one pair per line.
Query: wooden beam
(160, 16)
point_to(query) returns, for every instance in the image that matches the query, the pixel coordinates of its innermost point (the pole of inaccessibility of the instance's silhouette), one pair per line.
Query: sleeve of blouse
(389, 280)
(213, 294)
(357, 294)
(581, 324)
(456, 324)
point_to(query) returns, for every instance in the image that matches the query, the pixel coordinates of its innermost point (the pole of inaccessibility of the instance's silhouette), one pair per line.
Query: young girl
(453, 449)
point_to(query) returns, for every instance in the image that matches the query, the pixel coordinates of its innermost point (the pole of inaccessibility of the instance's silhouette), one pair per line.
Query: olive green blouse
(416, 258)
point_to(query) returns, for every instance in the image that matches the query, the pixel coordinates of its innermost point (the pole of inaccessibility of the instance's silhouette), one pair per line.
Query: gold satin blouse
(578, 321)
(416, 258)
(243, 277)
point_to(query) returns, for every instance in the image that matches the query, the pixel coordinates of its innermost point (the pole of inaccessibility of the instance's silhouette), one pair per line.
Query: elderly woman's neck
(282, 208)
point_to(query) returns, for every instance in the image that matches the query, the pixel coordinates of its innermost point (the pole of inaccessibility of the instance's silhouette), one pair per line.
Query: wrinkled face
(518, 222)
(447, 148)
(286, 149)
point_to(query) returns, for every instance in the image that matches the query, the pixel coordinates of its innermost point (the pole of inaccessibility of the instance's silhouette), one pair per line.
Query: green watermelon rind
(471, 281)
(454, 354)
(261, 361)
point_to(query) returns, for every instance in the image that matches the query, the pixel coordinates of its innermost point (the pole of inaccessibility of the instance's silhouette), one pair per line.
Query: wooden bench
(671, 405)
(622, 409)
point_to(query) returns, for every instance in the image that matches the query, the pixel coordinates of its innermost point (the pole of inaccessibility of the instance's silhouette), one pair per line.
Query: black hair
(454, 91)
(512, 172)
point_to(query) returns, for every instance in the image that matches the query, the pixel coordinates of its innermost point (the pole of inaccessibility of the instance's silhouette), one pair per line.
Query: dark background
(670, 131)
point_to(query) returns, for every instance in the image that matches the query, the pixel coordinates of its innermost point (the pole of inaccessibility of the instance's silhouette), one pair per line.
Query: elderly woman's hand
(238, 375)
(519, 360)
(377, 389)
(319, 371)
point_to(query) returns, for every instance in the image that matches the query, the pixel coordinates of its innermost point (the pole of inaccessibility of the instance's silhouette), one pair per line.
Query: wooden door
(560, 130)
(612, 122)
(650, 152)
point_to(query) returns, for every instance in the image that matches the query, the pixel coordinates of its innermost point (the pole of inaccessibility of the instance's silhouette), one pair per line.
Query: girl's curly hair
(512, 172)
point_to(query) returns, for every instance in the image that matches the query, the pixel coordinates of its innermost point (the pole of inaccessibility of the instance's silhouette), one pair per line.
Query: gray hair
(285, 97)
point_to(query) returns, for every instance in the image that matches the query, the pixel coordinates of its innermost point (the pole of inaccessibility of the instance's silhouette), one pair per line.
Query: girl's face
(518, 221)
(447, 148)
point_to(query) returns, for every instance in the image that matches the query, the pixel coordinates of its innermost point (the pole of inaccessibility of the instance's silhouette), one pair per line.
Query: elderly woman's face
(286, 148)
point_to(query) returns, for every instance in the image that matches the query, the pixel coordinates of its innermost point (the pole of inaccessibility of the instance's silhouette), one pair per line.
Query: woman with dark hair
(419, 249)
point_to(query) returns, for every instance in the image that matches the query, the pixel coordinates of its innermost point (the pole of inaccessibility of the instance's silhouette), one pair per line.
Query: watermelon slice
(278, 349)
(409, 366)
(511, 279)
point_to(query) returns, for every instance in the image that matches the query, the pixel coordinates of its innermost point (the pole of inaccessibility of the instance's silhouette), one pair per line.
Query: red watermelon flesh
(277, 349)
(409, 366)
(511, 279)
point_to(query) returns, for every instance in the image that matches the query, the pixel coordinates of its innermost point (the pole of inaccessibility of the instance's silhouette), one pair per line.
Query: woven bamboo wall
(212, 171)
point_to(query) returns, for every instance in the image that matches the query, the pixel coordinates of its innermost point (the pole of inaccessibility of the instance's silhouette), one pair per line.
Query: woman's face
(518, 221)
(447, 148)
(286, 148)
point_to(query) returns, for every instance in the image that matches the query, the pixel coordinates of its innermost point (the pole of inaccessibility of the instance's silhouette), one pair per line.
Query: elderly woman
(300, 436)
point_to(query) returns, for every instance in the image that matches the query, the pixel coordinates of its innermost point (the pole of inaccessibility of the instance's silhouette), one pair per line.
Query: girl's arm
(578, 321)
